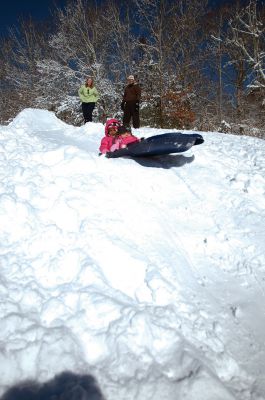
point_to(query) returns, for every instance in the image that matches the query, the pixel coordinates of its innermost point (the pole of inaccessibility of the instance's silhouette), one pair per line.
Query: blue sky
(11, 10)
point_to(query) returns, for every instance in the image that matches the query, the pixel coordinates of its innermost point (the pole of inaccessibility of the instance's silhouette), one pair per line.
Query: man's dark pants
(131, 110)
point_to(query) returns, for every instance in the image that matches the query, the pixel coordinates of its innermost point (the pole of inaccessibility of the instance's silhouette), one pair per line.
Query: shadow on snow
(166, 161)
(65, 386)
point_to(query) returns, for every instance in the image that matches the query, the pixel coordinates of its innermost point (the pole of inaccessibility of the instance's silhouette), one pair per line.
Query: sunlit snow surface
(148, 274)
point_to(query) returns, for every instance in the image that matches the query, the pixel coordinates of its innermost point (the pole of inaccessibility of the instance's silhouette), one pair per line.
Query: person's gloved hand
(122, 105)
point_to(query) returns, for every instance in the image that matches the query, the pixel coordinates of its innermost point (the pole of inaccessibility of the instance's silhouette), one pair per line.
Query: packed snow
(148, 274)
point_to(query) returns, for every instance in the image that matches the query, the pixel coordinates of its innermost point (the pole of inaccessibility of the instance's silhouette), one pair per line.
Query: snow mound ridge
(34, 120)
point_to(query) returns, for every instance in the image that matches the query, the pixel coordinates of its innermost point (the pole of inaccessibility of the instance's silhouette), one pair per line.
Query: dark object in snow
(65, 386)
(165, 143)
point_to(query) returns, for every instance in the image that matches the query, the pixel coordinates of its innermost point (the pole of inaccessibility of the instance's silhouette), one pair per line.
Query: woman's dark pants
(87, 109)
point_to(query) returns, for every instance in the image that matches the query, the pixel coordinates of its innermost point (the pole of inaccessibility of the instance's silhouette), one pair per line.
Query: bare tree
(170, 39)
(248, 35)
(247, 40)
(19, 55)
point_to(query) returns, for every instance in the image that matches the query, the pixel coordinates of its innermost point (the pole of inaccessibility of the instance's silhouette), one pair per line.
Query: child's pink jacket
(108, 141)
(106, 144)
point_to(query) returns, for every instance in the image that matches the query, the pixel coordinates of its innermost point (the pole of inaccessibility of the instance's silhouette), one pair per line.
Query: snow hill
(148, 274)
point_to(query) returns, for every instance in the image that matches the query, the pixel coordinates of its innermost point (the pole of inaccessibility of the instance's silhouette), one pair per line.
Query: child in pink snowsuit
(111, 129)
(116, 137)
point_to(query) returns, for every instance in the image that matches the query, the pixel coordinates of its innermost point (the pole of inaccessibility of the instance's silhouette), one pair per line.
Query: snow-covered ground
(148, 274)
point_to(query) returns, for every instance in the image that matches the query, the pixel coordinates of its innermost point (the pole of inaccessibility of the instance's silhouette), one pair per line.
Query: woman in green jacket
(89, 96)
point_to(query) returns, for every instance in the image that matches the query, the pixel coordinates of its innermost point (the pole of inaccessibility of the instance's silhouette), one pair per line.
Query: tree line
(199, 66)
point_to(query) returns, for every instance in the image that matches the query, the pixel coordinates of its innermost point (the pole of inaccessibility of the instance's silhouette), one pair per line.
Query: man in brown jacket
(130, 103)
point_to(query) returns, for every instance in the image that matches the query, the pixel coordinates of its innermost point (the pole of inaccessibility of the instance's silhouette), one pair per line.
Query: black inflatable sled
(157, 145)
